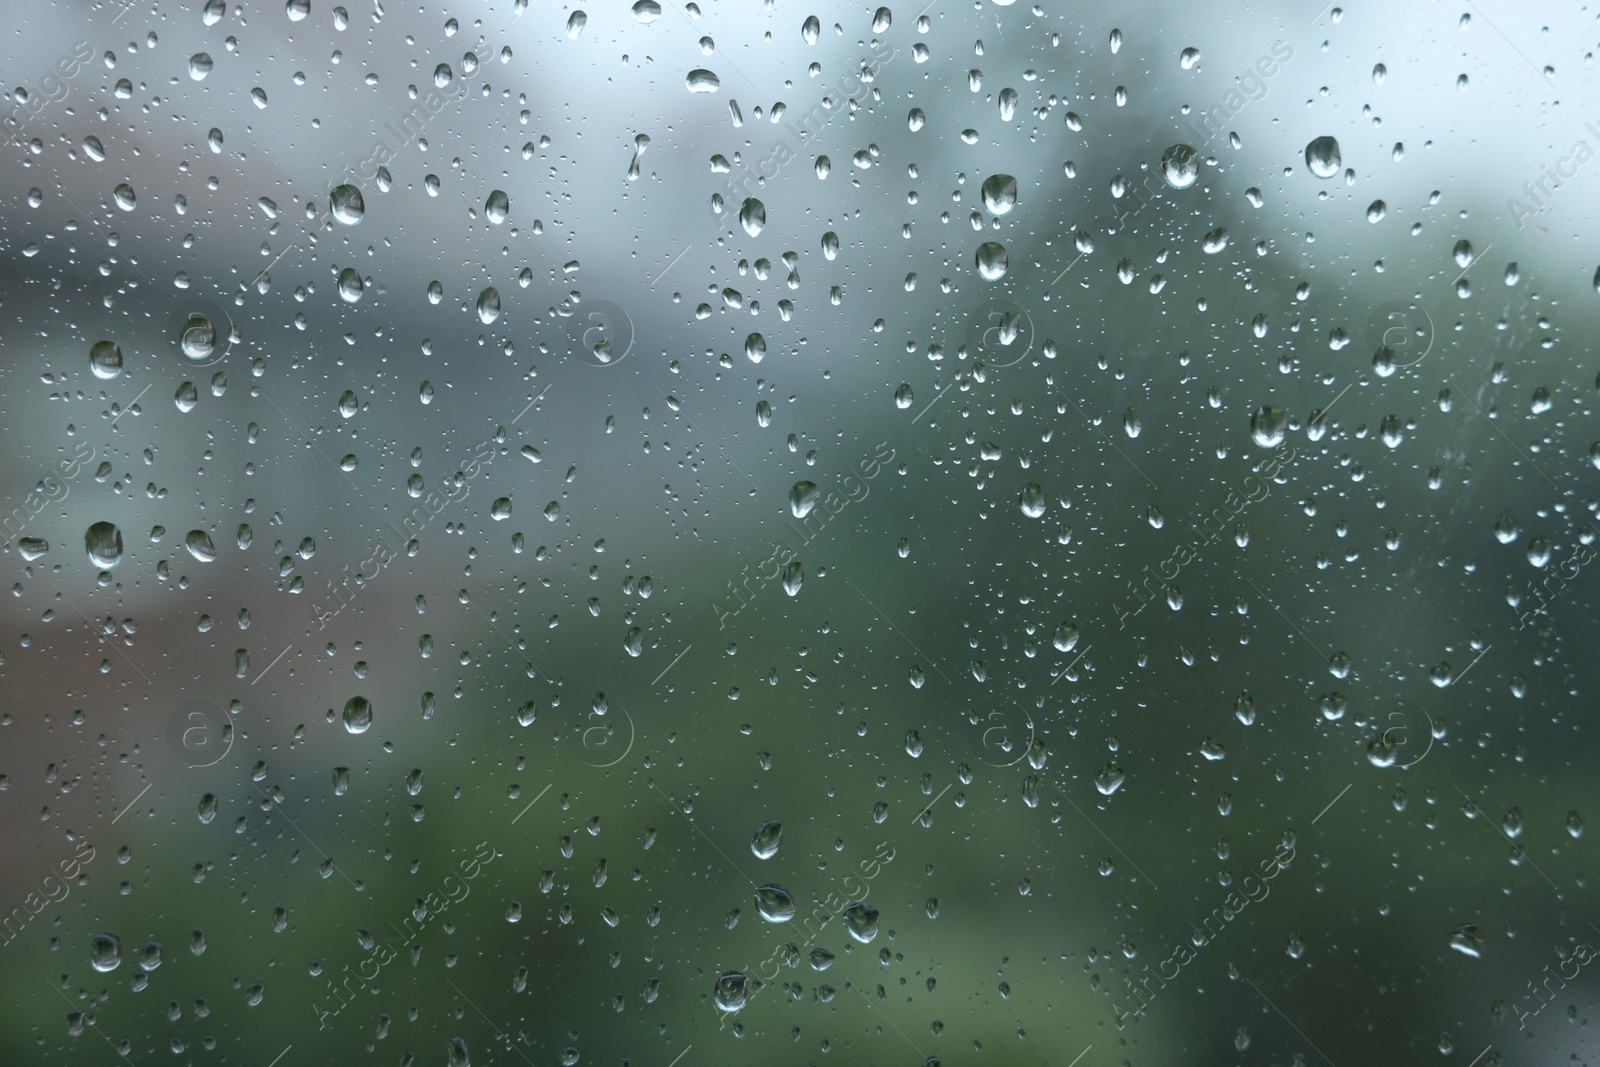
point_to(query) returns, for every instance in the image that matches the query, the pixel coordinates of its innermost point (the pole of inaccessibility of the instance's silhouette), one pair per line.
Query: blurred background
(709, 533)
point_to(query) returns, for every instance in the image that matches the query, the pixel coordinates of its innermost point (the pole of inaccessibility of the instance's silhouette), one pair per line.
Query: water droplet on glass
(105, 360)
(1032, 500)
(198, 341)
(802, 498)
(701, 80)
(992, 261)
(1065, 638)
(731, 991)
(488, 305)
(775, 903)
(198, 542)
(861, 920)
(347, 205)
(1467, 940)
(351, 287)
(357, 715)
(497, 207)
(105, 952)
(753, 216)
(999, 193)
(766, 841)
(1322, 156)
(1180, 165)
(1268, 426)
(103, 542)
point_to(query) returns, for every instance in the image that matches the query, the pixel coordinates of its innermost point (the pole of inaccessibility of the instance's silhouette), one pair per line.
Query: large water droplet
(1066, 637)
(1268, 426)
(701, 80)
(1032, 500)
(357, 715)
(103, 542)
(731, 992)
(753, 216)
(1180, 165)
(488, 305)
(351, 287)
(198, 542)
(999, 193)
(775, 903)
(1110, 780)
(861, 919)
(497, 207)
(105, 360)
(992, 261)
(347, 205)
(802, 498)
(105, 952)
(198, 341)
(1322, 156)
(1467, 940)
(767, 839)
